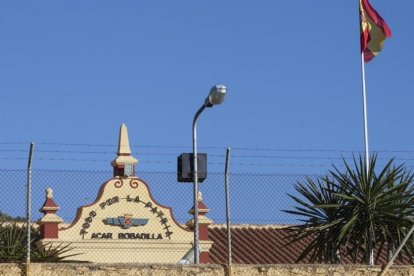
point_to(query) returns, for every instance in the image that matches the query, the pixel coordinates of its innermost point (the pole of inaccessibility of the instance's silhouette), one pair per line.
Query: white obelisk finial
(123, 145)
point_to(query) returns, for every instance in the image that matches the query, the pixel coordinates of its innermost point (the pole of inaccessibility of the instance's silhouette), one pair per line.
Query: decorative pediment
(124, 224)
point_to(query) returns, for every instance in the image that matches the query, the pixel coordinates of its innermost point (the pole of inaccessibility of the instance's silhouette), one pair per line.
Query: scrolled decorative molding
(134, 183)
(118, 183)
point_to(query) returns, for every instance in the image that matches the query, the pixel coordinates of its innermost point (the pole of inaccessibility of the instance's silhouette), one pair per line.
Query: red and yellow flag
(374, 30)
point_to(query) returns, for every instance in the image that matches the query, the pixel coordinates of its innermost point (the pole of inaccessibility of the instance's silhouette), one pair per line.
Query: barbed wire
(210, 155)
(256, 157)
(14, 143)
(174, 162)
(210, 147)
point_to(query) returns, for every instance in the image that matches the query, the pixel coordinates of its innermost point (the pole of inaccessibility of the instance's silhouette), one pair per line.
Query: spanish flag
(374, 31)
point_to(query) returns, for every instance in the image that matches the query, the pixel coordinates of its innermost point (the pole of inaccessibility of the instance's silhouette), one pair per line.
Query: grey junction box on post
(185, 167)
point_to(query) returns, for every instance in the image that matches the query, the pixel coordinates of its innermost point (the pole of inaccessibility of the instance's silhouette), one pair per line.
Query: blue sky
(72, 71)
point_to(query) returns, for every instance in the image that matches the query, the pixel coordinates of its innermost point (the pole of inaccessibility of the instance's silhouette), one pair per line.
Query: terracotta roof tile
(266, 245)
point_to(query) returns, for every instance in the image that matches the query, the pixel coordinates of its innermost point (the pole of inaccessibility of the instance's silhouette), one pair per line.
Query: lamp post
(216, 96)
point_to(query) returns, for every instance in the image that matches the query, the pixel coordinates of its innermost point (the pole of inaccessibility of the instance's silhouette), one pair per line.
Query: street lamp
(216, 96)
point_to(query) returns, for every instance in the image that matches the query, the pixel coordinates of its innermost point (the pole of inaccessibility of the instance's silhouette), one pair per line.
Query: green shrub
(13, 245)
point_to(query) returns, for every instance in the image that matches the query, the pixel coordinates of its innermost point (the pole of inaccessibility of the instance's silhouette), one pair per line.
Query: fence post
(397, 252)
(226, 184)
(28, 206)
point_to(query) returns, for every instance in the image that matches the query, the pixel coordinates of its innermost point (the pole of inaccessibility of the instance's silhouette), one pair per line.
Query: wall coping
(43, 269)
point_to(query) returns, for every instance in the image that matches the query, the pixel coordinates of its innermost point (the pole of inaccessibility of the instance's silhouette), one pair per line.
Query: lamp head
(216, 96)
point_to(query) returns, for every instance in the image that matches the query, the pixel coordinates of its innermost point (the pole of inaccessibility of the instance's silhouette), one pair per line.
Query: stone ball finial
(49, 193)
(200, 196)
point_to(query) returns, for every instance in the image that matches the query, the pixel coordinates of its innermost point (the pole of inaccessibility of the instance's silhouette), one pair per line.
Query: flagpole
(364, 99)
(374, 30)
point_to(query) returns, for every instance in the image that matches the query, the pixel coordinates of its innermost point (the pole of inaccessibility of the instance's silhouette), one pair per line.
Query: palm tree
(319, 223)
(367, 210)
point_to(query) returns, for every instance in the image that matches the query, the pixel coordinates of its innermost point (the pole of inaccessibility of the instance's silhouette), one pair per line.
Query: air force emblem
(126, 221)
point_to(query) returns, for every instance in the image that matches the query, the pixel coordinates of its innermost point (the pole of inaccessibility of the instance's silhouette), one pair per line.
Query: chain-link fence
(255, 199)
(257, 207)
